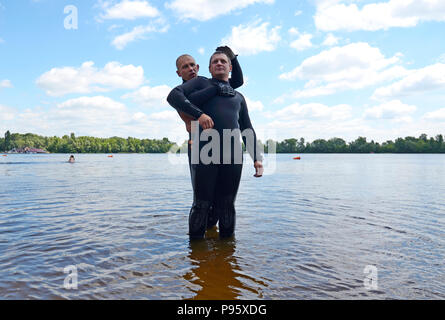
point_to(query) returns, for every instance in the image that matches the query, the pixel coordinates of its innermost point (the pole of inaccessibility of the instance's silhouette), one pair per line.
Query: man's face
(188, 69)
(220, 66)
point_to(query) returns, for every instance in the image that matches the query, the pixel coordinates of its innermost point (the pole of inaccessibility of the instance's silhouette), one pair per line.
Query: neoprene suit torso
(226, 112)
(214, 184)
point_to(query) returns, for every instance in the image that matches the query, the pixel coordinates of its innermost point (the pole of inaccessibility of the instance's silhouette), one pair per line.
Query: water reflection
(217, 274)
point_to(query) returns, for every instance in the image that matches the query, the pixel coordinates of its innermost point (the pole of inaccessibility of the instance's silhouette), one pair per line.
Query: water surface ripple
(307, 231)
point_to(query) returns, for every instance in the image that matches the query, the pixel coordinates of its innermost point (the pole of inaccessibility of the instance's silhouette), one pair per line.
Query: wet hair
(219, 52)
(179, 59)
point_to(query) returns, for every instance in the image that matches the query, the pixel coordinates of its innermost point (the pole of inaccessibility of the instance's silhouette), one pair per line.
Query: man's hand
(227, 51)
(258, 169)
(205, 121)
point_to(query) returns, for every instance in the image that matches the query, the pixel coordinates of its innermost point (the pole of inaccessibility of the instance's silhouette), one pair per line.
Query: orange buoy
(297, 158)
(110, 156)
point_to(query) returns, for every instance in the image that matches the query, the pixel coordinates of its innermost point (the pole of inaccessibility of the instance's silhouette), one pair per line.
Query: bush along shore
(84, 144)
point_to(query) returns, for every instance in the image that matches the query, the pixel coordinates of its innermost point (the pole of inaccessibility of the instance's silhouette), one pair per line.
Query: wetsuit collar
(222, 81)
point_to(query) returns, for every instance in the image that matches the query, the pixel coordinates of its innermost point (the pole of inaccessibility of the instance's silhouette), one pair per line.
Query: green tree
(7, 141)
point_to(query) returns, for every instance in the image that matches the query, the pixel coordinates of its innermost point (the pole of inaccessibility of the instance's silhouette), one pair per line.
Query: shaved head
(178, 61)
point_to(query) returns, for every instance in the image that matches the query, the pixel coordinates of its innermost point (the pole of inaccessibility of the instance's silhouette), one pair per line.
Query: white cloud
(313, 111)
(167, 115)
(138, 32)
(5, 83)
(330, 40)
(201, 51)
(416, 81)
(150, 96)
(87, 78)
(339, 15)
(254, 105)
(395, 110)
(303, 42)
(437, 115)
(204, 10)
(97, 116)
(6, 113)
(354, 66)
(129, 10)
(93, 109)
(253, 38)
(315, 121)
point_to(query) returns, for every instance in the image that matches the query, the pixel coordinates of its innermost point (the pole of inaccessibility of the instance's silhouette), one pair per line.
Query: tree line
(422, 144)
(73, 144)
(84, 144)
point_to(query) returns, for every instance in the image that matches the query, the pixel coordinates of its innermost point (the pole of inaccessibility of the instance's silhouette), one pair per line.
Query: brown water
(306, 231)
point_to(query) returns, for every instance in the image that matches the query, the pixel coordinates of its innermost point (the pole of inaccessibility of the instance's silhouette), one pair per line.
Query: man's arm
(187, 110)
(251, 143)
(178, 100)
(237, 79)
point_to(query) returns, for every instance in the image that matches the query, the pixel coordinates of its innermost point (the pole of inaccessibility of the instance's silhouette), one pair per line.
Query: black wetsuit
(197, 99)
(215, 183)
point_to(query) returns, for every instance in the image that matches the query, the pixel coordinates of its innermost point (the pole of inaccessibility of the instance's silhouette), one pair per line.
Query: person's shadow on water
(216, 274)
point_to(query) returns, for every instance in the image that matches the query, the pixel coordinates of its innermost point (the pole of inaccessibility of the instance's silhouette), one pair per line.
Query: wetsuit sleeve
(200, 97)
(251, 144)
(237, 79)
(177, 98)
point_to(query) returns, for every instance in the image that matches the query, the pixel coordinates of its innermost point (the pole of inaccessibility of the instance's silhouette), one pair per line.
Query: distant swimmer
(71, 159)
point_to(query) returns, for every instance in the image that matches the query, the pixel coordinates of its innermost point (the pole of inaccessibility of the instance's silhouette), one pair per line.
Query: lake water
(327, 226)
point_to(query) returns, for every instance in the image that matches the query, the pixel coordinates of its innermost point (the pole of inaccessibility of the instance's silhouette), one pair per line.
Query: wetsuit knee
(212, 219)
(225, 211)
(198, 219)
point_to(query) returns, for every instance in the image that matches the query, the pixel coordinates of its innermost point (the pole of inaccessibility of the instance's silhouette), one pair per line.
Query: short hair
(219, 52)
(180, 57)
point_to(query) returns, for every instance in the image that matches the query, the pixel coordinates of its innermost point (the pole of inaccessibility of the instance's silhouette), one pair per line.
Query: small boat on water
(297, 158)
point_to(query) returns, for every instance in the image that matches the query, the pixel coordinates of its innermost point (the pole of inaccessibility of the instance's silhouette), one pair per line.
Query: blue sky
(313, 69)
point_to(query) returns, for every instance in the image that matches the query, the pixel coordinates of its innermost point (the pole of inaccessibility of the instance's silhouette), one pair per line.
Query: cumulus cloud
(315, 121)
(394, 110)
(330, 40)
(343, 15)
(437, 115)
(415, 82)
(204, 10)
(303, 42)
(354, 66)
(139, 33)
(253, 106)
(5, 83)
(150, 96)
(253, 38)
(98, 116)
(313, 111)
(87, 78)
(6, 113)
(128, 10)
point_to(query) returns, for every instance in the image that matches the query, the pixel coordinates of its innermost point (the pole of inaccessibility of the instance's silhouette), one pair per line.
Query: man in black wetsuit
(216, 105)
(187, 69)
